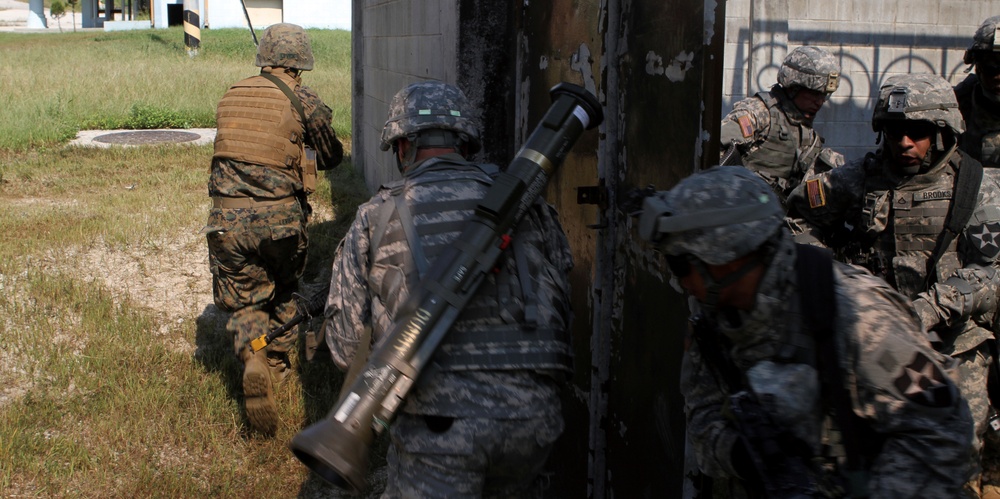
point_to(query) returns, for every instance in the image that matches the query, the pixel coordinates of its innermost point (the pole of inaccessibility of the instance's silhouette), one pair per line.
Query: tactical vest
(789, 148)
(514, 320)
(981, 139)
(906, 221)
(257, 125)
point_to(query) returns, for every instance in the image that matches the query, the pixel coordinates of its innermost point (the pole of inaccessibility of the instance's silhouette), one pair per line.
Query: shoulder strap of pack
(963, 203)
(296, 103)
(814, 271)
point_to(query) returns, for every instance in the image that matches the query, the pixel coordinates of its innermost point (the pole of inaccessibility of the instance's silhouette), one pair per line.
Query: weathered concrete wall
(656, 67)
(396, 42)
(873, 39)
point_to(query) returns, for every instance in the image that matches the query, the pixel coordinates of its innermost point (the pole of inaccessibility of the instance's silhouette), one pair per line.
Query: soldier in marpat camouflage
(979, 96)
(482, 419)
(921, 218)
(772, 132)
(273, 134)
(846, 388)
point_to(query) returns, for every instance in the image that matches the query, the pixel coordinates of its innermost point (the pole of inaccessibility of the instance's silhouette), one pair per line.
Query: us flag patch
(745, 126)
(814, 191)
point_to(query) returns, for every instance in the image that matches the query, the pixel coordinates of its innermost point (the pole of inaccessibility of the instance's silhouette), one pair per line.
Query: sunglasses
(915, 130)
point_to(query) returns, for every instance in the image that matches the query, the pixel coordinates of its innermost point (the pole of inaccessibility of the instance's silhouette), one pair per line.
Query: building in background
(322, 14)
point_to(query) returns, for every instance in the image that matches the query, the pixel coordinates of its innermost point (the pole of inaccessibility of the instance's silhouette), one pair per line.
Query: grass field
(56, 84)
(116, 376)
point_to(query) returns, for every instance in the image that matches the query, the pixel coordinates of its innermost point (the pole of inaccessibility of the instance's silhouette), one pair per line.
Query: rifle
(337, 448)
(306, 307)
(781, 470)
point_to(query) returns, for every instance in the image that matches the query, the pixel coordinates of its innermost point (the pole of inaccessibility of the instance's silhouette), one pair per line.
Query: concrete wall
(873, 39)
(396, 42)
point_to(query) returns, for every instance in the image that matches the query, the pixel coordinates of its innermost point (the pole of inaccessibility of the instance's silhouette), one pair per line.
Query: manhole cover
(142, 137)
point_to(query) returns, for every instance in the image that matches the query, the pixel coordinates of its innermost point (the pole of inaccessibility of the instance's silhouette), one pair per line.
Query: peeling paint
(711, 13)
(582, 63)
(675, 71)
(543, 62)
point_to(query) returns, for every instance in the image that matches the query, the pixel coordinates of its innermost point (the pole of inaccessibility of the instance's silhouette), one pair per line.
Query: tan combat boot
(257, 393)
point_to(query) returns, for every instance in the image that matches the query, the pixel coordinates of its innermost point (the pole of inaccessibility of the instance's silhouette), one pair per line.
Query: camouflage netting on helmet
(810, 67)
(918, 97)
(430, 105)
(285, 45)
(983, 40)
(718, 215)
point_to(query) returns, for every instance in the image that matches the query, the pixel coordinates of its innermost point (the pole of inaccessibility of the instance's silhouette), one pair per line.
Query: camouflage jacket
(237, 179)
(367, 289)
(896, 221)
(919, 426)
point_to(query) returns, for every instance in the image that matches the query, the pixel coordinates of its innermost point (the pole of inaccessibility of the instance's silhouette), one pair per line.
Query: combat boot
(279, 365)
(258, 395)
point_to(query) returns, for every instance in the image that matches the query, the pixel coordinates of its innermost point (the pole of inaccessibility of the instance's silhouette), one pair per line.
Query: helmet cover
(810, 67)
(285, 45)
(430, 105)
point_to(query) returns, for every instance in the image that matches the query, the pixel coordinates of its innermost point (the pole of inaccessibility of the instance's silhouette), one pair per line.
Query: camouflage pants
(256, 257)
(434, 456)
(973, 370)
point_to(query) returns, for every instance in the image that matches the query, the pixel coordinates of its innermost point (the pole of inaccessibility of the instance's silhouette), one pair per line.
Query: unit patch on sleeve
(984, 238)
(923, 383)
(745, 126)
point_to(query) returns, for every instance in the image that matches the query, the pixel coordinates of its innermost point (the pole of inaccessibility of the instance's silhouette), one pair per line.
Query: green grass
(103, 393)
(56, 84)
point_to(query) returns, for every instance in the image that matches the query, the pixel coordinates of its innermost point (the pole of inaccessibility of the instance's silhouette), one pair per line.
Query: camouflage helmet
(429, 105)
(285, 45)
(810, 67)
(918, 97)
(717, 215)
(983, 40)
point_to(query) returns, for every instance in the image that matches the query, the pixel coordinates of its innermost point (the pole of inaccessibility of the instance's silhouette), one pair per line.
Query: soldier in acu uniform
(273, 134)
(979, 97)
(848, 390)
(482, 419)
(772, 132)
(920, 217)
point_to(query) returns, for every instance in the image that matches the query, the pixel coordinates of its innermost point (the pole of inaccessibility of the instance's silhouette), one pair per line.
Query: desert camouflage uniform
(260, 176)
(897, 220)
(258, 254)
(469, 431)
(914, 425)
